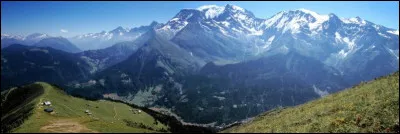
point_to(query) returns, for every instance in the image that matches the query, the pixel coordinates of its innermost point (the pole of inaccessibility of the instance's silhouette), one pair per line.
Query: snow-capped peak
(294, 19)
(211, 11)
(205, 7)
(269, 22)
(5, 36)
(319, 18)
(234, 7)
(312, 13)
(36, 36)
(120, 29)
(354, 20)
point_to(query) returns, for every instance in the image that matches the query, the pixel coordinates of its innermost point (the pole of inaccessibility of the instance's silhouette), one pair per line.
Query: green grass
(17, 104)
(107, 117)
(368, 107)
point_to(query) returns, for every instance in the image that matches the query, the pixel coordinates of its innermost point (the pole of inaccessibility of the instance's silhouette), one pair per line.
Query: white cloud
(64, 31)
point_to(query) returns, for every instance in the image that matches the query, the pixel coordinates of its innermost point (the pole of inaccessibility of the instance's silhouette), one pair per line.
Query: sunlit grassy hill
(23, 111)
(368, 107)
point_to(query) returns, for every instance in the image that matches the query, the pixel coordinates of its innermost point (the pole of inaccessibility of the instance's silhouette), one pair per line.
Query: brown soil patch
(66, 126)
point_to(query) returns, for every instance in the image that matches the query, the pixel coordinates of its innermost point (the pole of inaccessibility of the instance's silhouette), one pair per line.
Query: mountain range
(212, 64)
(39, 40)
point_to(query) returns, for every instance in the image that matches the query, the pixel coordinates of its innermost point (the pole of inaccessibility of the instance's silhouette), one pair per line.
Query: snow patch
(393, 52)
(240, 16)
(254, 31)
(270, 39)
(174, 19)
(226, 23)
(189, 16)
(236, 30)
(376, 27)
(383, 35)
(222, 30)
(285, 48)
(371, 47)
(342, 54)
(203, 26)
(351, 43)
(394, 32)
(338, 37)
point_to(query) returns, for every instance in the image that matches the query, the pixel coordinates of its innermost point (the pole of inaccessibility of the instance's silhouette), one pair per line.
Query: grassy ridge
(368, 107)
(175, 126)
(15, 110)
(69, 113)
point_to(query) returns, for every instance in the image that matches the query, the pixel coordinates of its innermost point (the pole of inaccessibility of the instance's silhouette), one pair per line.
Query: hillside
(69, 113)
(21, 65)
(368, 107)
(58, 43)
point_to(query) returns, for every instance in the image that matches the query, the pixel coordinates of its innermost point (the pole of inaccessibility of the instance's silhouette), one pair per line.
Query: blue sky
(73, 18)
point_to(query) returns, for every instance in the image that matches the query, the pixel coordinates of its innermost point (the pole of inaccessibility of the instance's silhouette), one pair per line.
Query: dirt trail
(66, 126)
(115, 111)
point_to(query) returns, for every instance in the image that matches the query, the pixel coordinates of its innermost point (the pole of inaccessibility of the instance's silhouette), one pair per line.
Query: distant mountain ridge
(93, 41)
(59, 43)
(7, 40)
(40, 40)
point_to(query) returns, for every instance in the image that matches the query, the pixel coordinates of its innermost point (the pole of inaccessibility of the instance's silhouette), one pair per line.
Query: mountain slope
(93, 41)
(69, 113)
(224, 94)
(157, 62)
(59, 43)
(26, 64)
(368, 107)
(103, 58)
(7, 40)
